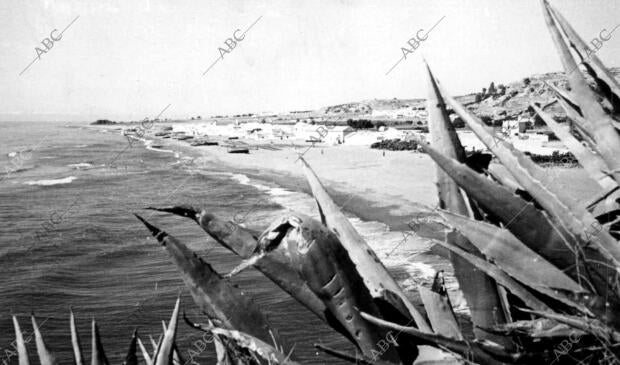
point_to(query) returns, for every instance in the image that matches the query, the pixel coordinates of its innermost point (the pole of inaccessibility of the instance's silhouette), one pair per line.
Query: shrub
(360, 124)
(103, 122)
(555, 158)
(395, 145)
(486, 119)
(458, 123)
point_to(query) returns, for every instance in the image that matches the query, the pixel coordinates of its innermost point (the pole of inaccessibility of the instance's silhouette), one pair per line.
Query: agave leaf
(97, 354)
(214, 296)
(145, 353)
(592, 163)
(255, 345)
(566, 97)
(22, 351)
(221, 351)
(176, 357)
(500, 276)
(243, 243)
(478, 352)
(165, 355)
(235, 238)
(602, 196)
(131, 358)
(574, 301)
(155, 345)
(570, 106)
(584, 324)
(245, 341)
(609, 101)
(562, 208)
(517, 260)
(75, 341)
(586, 54)
(326, 267)
(531, 227)
(502, 177)
(46, 357)
(376, 277)
(440, 313)
(540, 328)
(479, 290)
(511, 255)
(574, 114)
(601, 126)
(352, 358)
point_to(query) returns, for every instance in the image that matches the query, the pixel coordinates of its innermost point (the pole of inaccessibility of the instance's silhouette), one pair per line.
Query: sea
(69, 240)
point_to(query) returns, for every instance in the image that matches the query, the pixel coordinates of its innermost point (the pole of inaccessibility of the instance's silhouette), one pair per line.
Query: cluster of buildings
(333, 135)
(284, 133)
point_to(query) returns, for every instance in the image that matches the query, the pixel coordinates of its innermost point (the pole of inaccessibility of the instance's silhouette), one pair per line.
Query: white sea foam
(81, 165)
(156, 149)
(394, 248)
(66, 180)
(241, 179)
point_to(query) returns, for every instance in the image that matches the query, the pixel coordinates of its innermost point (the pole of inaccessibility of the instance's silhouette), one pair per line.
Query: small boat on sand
(238, 150)
(204, 143)
(183, 138)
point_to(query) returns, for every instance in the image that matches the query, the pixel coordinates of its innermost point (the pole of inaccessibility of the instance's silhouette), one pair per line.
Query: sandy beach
(390, 183)
(385, 186)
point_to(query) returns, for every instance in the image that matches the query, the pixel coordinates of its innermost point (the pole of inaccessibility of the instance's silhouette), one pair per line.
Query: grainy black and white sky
(129, 59)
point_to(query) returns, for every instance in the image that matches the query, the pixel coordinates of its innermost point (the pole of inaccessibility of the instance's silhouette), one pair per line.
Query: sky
(127, 60)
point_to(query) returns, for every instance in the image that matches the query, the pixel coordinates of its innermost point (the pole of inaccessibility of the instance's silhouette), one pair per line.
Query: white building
(396, 113)
(337, 134)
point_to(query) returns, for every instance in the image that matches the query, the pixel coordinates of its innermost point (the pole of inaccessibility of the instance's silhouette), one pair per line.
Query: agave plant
(165, 352)
(538, 268)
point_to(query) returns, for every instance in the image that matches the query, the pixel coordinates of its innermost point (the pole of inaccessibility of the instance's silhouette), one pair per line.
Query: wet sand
(386, 188)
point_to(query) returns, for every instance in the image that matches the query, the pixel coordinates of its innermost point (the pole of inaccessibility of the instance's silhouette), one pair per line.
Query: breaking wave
(394, 248)
(50, 182)
(81, 165)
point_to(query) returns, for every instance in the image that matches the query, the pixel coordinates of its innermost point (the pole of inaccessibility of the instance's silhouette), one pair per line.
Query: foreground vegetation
(395, 145)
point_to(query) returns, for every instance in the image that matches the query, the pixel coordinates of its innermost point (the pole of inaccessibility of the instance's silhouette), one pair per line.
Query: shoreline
(389, 187)
(361, 198)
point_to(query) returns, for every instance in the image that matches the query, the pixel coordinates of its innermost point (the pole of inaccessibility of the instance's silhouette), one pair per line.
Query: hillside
(494, 103)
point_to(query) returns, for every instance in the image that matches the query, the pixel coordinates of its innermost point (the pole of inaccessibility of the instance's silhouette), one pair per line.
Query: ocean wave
(393, 247)
(157, 149)
(9, 171)
(81, 165)
(50, 182)
(14, 154)
(396, 249)
(241, 179)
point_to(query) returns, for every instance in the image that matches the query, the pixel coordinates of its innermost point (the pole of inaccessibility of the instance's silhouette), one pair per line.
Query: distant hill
(495, 102)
